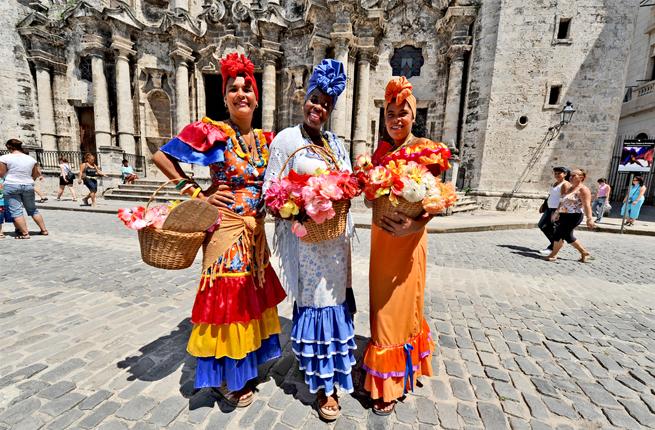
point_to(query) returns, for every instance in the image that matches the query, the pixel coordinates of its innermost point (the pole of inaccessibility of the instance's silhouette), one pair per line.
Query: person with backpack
(66, 178)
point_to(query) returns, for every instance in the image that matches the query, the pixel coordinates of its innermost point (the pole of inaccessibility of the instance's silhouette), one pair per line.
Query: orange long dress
(401, 346)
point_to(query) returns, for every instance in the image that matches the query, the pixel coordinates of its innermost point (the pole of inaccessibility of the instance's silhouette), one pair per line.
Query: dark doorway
(214, 105)
(87, 129)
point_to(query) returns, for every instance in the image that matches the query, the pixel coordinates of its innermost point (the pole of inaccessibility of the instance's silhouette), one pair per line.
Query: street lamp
(566, 113)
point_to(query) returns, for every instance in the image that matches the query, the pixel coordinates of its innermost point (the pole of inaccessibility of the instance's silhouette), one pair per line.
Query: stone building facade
(638, 109)
(89, 74)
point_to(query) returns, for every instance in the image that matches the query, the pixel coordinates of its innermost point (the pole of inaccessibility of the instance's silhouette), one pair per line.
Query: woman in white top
(550, 206)
(20, 170)
(66, 178)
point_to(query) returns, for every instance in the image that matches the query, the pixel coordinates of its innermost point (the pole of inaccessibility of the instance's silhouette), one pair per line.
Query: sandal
(235, 398)
(377, 410)
(550, 258)
(44, 233)
(323, 411)
(22, 236)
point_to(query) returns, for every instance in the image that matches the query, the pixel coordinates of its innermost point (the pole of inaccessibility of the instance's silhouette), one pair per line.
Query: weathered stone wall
(19, 118)
(527, 61)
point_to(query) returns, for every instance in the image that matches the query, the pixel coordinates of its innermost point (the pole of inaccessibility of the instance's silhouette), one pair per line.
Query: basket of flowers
(170, 235)
(317, 203)
(407, 181)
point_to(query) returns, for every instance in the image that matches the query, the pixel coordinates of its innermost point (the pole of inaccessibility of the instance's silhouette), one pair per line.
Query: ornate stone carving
(214, 10)
(240, 11)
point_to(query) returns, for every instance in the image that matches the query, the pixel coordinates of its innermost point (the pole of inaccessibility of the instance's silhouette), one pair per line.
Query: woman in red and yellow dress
(400, 349)
(235, 320)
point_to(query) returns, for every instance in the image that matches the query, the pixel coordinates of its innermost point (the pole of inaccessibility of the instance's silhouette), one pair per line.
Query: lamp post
(566, 113)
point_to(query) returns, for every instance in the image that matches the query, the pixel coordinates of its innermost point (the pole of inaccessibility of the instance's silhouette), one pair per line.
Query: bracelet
(186, 187)
(180, 184)
(196, 192)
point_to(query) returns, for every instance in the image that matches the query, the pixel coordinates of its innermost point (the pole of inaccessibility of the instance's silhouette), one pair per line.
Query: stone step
(465, 208)
(141, 199)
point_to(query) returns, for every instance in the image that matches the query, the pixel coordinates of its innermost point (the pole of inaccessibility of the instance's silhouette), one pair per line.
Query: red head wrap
(400, 90)
(234, 65)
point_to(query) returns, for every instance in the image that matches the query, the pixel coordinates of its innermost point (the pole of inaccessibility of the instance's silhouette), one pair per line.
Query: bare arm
(82, 167)
(36, 172)
(585, 196)
(642, 191)
(3, 170)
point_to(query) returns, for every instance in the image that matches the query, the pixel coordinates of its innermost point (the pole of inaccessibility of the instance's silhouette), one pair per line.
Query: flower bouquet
(170, 235)
(317, 204)
(406, 180)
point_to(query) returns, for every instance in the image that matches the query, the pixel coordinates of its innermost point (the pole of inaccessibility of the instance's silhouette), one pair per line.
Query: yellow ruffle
(233, 340)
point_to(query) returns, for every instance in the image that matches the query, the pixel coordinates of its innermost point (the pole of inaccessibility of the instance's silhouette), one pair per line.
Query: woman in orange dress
(400, 348)
(235, 320)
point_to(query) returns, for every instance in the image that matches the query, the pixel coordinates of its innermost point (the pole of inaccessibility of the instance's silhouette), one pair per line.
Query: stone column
(181, 55)
(453, 97)
(341, 47)
(268, 92)
(454, 94)
(360, 137)
(46, 108)
(124, 105)
(319, 45)
(201, 107)
(100, 100)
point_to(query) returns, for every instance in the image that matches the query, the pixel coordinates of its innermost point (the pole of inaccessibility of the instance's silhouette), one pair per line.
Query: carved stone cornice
(46, 60)
(456, 16)
(94, 45)
(181, 53)
(457, 52)
(122, 46)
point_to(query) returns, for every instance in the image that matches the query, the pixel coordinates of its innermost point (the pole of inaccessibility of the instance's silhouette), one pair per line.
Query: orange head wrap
(399, 90)
(234, 65)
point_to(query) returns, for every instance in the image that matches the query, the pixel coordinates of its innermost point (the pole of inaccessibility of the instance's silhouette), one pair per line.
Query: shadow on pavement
(523, 251)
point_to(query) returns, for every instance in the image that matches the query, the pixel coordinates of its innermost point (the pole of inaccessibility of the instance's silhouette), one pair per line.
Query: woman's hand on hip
(222, 197)
(398, 224)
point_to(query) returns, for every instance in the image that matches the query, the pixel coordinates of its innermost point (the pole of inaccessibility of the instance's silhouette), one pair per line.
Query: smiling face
(317, 109)
(398, 121)
(240, 97)
(577, 177)
(559, 176)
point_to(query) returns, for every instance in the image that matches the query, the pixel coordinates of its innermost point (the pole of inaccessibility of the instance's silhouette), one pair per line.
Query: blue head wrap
(329, 76)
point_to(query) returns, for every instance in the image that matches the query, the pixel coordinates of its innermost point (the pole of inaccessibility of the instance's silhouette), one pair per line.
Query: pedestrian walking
(601, 202)
(401, 346)
(19, 171)
(575, 201)
(317, 275)
(66, 178)
(127, 173)
(89, 172)
(2, 206)
(634, 200)
(550, 205)
(235, 319)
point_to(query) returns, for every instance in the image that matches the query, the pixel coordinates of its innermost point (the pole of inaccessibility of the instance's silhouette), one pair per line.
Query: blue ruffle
(183, 152)
(213, 372)
(323, 343)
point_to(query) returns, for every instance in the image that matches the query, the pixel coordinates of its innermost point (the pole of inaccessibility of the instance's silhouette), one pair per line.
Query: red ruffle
(236, 299)
(201, 135)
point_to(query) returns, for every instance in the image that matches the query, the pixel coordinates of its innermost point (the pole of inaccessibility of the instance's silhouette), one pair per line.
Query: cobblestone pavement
(93, 338)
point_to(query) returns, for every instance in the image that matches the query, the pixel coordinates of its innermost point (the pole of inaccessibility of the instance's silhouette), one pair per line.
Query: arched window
(641, 136)
(407, 61)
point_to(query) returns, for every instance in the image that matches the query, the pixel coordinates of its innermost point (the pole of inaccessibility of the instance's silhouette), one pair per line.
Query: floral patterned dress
(235, 322)
(316, 276)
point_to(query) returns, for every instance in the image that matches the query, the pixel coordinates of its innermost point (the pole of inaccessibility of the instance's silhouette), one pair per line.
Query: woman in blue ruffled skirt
(317, 275)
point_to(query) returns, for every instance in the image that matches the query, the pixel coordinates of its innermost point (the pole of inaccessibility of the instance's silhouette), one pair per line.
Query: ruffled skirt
(323, 341)
(235, 328)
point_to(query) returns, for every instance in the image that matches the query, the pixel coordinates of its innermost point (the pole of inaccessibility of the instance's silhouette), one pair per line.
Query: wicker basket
(167, 249)
(330, 229)
(335, 226)
(382, 206)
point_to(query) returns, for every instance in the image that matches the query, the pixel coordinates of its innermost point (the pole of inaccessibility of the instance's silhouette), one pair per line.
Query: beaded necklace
(324, 141)
(243, 151)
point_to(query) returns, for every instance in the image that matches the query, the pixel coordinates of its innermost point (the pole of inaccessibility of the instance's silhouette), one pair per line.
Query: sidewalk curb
(431, 230)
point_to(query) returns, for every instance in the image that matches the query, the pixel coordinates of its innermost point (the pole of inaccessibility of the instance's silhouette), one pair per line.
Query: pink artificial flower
(156, 216)
(319, 209)
(276, 195)
(298, 229)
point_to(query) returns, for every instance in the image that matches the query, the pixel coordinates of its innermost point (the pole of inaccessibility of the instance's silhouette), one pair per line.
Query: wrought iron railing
(50, 159)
